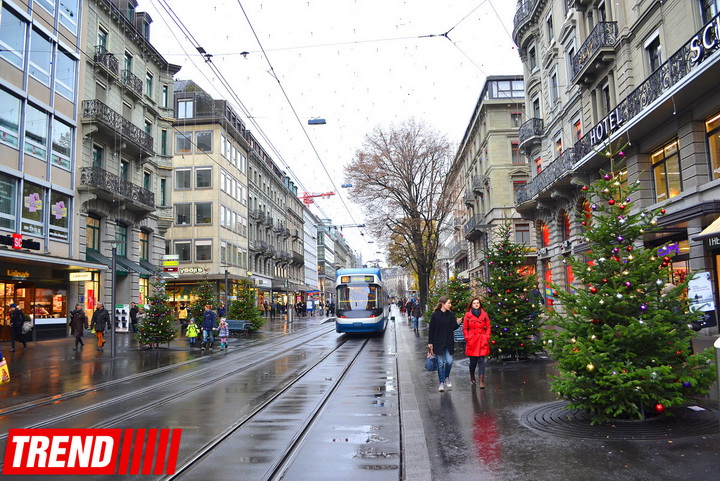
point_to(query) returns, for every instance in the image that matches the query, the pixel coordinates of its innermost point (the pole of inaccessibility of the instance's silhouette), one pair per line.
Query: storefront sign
(700, 293)
(712, 243)
(12, 240)
(192, 270)
(15, 273)
(80, 276)
(706, 41)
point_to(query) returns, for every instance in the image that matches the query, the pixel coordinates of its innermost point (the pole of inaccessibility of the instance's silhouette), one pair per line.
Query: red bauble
(666, 259)
(593, 289)
(493, 341)
(508, 291)
(659, 408)
(583, 223)
(622, 206)
(584, 187)
(605, 281)
(628, 248)
(611, 202)
(662, 211)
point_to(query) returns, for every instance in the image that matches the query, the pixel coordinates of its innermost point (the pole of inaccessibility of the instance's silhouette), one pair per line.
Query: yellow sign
(14, 273)
(81, 276)
(170, 263)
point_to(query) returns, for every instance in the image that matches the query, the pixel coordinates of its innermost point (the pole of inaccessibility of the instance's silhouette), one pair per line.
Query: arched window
(543, 234)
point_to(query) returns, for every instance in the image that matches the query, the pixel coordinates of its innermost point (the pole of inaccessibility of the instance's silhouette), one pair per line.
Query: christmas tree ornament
(662, 211)
(594, 207)
(619, 296)
(607, 177)
(628, 284)
(593, 289)
(611, 202)
(584, 188)
(590, 367)
(659, 408)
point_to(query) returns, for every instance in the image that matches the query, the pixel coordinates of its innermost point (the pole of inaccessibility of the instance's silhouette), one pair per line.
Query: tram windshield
(358, 297)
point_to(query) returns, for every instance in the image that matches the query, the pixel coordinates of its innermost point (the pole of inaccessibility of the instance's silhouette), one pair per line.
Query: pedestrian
(192, 333)
(17, 319)
(266, 307)
(221, 311)
(134, 316)
(78, 323)
(416, 313)
(441, 340)
(476, 329)
(223, 333)
(208, 326)
(100, 322)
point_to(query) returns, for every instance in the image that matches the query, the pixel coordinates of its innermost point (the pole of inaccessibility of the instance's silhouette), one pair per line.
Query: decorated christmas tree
(622, 340)
(202, 295)
(245, 306)
(459, 293)
(157, 325)
(510, 302)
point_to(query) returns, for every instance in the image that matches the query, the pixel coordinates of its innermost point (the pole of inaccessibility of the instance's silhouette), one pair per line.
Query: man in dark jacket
(100, 322)
(16, 321)
(208, 326)
(134, 309)
(78, 324)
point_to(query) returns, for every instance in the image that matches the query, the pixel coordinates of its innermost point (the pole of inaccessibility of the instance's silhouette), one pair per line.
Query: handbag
(458, 334)
(27, 327)
(4, 372)
(431, 363)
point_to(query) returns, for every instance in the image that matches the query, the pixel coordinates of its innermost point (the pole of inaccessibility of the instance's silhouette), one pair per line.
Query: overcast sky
(355, 63)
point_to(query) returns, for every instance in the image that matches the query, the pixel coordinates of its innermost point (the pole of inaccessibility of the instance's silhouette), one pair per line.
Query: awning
(153, 269)
(95, 256)
(135, 267)
(40, 259)
(709, 231)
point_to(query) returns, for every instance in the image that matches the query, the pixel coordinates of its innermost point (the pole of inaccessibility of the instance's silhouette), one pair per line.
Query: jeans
(415, 321)
(445, 361)
(208, 335)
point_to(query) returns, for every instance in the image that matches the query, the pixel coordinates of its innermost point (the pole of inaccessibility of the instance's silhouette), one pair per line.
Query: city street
(299, 401)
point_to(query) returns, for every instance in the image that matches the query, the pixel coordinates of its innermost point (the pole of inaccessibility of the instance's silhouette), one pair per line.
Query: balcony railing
(469, 199)
(531, 129)
(99, 112)
(552, 173)
(106, 60)
(132, 82)
(477, 184)
(523, 14)
(474, 227)
(103, 180)
(458, 248)
(603, 35)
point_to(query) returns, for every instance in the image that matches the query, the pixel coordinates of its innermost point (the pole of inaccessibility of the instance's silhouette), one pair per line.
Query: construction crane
(307, 197)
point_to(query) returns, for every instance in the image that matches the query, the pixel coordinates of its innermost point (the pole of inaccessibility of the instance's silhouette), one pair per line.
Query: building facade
(310, 236)
(634, 75)
(41, 56)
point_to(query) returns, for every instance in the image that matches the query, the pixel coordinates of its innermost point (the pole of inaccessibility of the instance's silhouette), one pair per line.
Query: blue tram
(362, 304)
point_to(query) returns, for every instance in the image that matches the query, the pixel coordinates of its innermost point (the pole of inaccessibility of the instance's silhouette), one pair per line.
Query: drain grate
(680, 422)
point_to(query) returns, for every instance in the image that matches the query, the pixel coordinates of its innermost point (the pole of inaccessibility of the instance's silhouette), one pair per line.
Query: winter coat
(78, 323)
(440, 332)
(417, 310)
(17, 320)
(477, 333)
(192, 330)
(223, 330)
(208, 322)
(100, 320)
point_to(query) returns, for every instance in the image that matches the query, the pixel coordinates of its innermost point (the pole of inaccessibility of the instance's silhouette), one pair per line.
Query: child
(223, 332)
(192, 333)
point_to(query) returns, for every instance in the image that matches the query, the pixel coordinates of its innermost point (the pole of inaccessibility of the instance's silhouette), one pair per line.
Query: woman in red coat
(476, 328)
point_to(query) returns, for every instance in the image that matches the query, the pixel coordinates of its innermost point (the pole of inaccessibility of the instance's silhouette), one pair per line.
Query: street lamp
(113, 271)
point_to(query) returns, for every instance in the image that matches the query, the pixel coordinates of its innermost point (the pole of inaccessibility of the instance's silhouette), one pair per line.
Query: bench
(236, 326)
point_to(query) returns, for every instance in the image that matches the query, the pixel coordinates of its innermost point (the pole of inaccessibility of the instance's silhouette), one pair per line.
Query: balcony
(552, 174)
(285, 232)
(271, 251)
(458, 249)
(268, 222)
(105, 60)
(132, 82)
(298, 259)
(278, 229)
(596, 53)
(525, 12)
(474, 228)
(296, 234)
(134, 137)
(109, 187)
(469, 199)
(257, 214)
(478, 184)
(258, 246)
(530, 133)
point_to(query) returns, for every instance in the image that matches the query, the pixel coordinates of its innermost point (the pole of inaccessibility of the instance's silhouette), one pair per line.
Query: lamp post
(113, 271)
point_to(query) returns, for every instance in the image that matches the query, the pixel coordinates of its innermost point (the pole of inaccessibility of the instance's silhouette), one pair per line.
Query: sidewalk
(490, 434)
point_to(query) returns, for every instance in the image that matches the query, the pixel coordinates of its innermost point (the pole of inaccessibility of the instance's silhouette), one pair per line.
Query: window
(12, 37)
(522, 234)
(40, 54)
(163, 192)
(148, 84)
(203, 212)
(185, 109)
(605, 99)
(124, 170)
(554, 88)
(165, 96)
(577, 128)
(712, 127)
(183, 142)
(59, 208)
(569, 60)
(516, 119)
(128, 62)
(68, 14)
(36, 132)
(654, 53)
(538, 165)
(536, 107)
(203, 250)
(147, 180)
(532, 58)
(97, 156)
(710, 8)
(62, 143)
(102, 40)
(163, 142)
(544, 234)
(203, 141)
(48, 5)
(517, 185)
(666, 172)
(144, 246)
(203, 178)
(182, 179)
(9, 119)
(565, 225)
(33, 200)
(517, 157)
(92, 232)
(558, 147)
(549, 27)
(182, 214)
(505, 89)
(121, 236)
(148, 127)
(8, 192)
(182, 250)
(65, 75)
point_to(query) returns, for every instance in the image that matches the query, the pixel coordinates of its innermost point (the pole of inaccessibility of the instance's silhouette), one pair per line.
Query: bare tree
(401, 176)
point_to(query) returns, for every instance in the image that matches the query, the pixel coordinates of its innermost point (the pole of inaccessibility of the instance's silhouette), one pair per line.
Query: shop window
(33, 200)
(666, 172)
(203, 213)
(40, 54)
(121, 236)
(49, 303)
(36, 132)
(62, 143)
(203, 141)
(182, 250)
(8, 192)
(12, 37)
(92, 229)
(144, 245)
(203, 250)
(9, 117)
(203, 178)
(144, 288)
(182, 214)
(182, 179)
(712, 127)
(59, 208)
